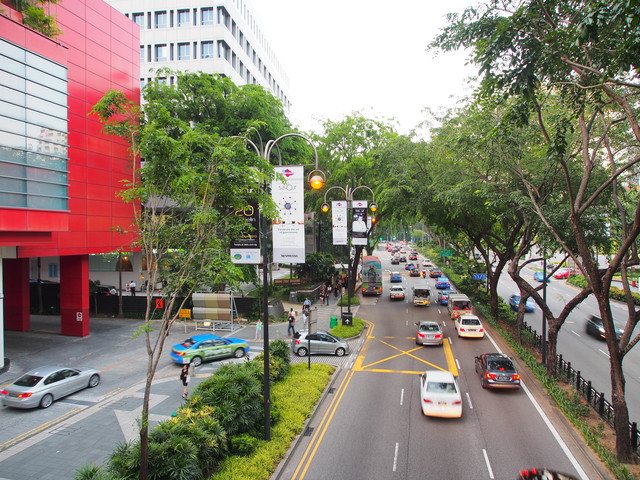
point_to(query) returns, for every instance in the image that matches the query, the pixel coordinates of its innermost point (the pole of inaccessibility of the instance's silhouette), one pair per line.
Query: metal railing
(585, 389)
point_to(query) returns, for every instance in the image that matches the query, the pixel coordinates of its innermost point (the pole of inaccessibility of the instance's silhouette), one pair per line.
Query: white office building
(212, 36)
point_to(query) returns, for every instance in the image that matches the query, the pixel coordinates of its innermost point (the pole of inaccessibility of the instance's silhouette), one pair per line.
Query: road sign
(159, 303)
(479, 276)
(445, 253)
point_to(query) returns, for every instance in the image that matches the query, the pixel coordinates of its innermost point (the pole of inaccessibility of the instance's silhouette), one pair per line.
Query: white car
(440, 395)
(469, 326)
(396, 292)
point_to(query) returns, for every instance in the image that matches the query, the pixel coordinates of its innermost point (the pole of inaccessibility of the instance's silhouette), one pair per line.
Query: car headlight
(601, 329)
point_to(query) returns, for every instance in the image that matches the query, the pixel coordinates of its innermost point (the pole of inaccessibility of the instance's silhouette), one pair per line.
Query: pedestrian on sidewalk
(132, 288)
(258, 330)
(185, 375)
(305, 317)
(291, 330)
(322, 294)
(306, 305)
(328, 292)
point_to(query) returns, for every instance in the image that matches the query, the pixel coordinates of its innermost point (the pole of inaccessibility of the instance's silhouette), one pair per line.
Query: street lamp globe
(316, 179)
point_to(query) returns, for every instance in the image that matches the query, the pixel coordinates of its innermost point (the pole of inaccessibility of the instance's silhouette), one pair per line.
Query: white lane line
(469, 400)
(604, 353)
(486, 460)
(395, 458)
(551, 428)
(458, 364)
(576, 333)
(401, 396)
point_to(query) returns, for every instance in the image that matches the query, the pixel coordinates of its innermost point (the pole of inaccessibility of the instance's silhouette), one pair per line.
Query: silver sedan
(428, 333)
(41, 386)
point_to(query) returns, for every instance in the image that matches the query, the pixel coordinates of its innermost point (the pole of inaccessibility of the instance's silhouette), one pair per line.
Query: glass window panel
(46, 203)
(49, 87)
(161, 53)
(161, 19)
(13, 185)
(51, 109)
(13, 200)
(12, 96)
(8, 80)
(13, 141)
(207, 50)
(46, 161)
(50, 176)
(12, 51)
(12, 155)
(45, 120)
(41, 63)
(184, 51)
(13, 66)
(13, 126)
(138, 18)
(206, 16)
(142, 53)
(184, 18)
(12, 111)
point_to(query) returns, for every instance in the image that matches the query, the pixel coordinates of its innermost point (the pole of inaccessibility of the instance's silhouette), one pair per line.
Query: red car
(565, 272)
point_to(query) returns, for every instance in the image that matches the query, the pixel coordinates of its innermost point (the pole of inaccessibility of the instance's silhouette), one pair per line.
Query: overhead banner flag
(359, 224)
(247, 248)
(339, 222)
(288, 228)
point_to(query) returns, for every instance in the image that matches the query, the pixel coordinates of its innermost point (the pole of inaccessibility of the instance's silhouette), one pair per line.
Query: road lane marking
(549, 425)
(38, 429)
(458, 364)
(575, 333)
(395, 458)
(401, 396)
(486, 460)
(604, 353)
(469, 400)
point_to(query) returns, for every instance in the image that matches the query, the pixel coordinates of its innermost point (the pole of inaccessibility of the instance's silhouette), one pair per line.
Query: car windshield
(470, 321)
(500, 364)
(28, 381)
(189, 342)
(429, 328)
(441, 387)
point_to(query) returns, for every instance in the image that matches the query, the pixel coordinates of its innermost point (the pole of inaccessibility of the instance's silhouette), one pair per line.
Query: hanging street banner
(339, 222)
(359, 225)
(288, 228)
(247, 248)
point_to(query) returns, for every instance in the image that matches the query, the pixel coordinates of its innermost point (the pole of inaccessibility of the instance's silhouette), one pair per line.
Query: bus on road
(371, 275)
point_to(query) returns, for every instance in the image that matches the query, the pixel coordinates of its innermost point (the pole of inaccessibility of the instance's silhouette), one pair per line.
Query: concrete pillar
(15, 275)
(74, 295)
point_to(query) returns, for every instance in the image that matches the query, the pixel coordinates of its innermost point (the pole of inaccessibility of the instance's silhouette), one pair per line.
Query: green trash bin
(333, 322)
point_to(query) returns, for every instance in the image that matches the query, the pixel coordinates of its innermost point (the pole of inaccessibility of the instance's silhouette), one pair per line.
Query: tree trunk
(552, 336)
(624, 449)
(144, 431)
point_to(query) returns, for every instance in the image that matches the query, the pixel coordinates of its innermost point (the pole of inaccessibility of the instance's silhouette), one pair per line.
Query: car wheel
(196, 361)
(340, 352)
(302, 352)
(46, 401)
(94, 380)
(239, 353)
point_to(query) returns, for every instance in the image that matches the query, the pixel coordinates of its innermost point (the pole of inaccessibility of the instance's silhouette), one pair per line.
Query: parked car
(396, 292)
(595, 327)
(440, 395)
(106, 290)
(514, 302)
(396, 277)
(41, 386)
(443, 295)
(565, 272)
(415, 272)
(496, 370)
(442, 283)
(205, 347)
(469, 326)
(428, 333)
(320, 342)
(435, 272)
(540, 277)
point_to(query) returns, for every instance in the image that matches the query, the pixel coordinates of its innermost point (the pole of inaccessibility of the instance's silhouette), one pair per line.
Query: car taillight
(456, 315)
(3, 392)
(297, 341)
(439, 335)
(462, 329)
(180, 354)
(515, 377)
(426, 400)
(481, 330)
(457, 402)
(421, 335)
(25, 395)
(490, 376)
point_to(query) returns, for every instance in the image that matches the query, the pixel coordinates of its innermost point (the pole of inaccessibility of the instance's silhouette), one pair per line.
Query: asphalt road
(586, 353)
(374, 427)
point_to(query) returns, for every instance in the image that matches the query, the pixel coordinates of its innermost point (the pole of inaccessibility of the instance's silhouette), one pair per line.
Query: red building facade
(59, 175)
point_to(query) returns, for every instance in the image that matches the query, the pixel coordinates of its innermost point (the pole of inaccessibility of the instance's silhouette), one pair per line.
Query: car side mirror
(416, 324)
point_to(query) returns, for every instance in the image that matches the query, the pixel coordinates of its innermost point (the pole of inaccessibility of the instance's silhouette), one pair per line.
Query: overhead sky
(370, 56)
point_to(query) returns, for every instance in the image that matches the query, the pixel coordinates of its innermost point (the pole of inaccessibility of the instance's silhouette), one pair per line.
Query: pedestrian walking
(328, 292)
(306, 304)
(132, 288)
(185, 375)
(322, 294)
(305, 317)
(337, 290)
(258, 330)
(291, 330)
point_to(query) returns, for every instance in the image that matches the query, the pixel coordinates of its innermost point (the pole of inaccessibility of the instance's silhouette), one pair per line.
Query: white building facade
(212, 36)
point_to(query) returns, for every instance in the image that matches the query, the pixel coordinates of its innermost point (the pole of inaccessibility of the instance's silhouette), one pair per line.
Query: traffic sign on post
(445, 253)
(479, 276)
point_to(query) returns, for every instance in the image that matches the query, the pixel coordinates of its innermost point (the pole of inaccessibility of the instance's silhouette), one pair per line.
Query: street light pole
(316, 180)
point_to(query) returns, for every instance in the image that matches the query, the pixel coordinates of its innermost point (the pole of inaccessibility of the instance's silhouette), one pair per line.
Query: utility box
(333, 322)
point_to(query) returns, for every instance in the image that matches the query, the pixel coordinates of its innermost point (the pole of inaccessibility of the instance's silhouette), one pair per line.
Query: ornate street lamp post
(349, 197)
(316, 180)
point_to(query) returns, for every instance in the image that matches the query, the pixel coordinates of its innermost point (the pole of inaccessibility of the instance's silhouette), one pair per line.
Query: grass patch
(343, 331)
(294, 398)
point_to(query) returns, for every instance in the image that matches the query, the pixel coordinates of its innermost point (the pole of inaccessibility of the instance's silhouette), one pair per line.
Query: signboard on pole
(247, 248)
(288, 228)
(359, 223)
(339, 222)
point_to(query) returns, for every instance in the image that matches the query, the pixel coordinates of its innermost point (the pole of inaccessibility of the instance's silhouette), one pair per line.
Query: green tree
(587, 52)
(318, 266)
(194, 176)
